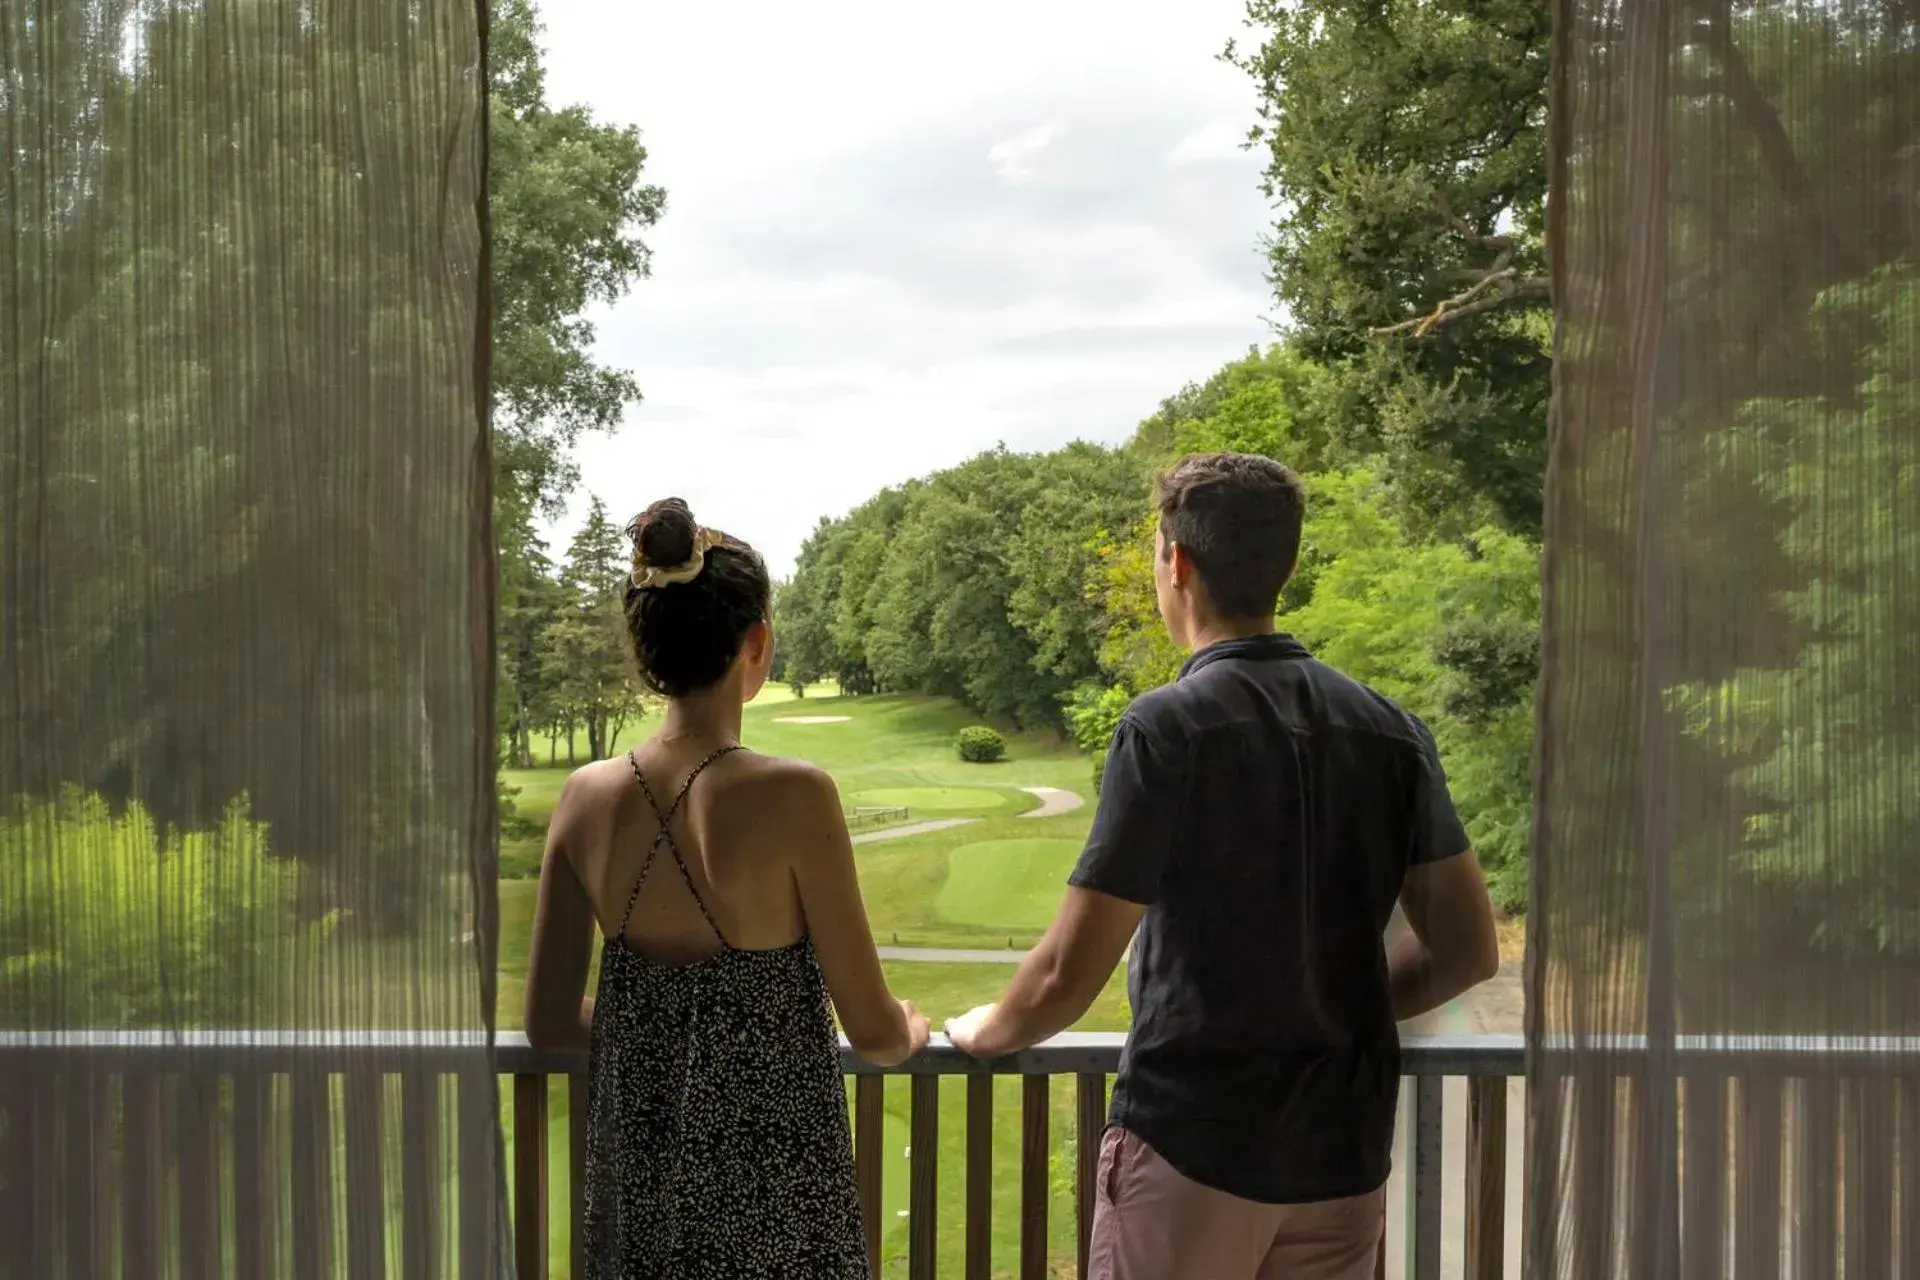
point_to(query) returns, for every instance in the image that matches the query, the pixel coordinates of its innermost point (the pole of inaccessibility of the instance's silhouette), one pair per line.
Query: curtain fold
(247, 829)
(1724, 966)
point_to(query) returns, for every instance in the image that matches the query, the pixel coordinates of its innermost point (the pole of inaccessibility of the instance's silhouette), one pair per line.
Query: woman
(723, 881)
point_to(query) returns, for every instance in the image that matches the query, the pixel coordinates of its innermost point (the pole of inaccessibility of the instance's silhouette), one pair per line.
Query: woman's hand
(918, 1029)
(964, 1030)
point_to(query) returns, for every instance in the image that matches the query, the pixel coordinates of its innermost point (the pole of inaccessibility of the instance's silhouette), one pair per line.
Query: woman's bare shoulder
(779, 785)
(593, 791)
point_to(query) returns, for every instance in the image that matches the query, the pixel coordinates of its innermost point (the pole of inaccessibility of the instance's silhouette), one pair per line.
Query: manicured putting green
(1010, 884)
(913, 798)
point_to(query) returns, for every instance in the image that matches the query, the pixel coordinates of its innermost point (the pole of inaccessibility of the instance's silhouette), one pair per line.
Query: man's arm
(1058, 981)
(1452, 947)
(1142, 799)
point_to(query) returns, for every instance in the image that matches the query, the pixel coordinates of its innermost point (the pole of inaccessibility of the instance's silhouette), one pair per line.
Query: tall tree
(585, 647)
(1406, 155)
(569, 210)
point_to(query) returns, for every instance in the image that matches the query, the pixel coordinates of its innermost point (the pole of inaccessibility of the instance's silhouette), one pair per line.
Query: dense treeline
(1022, 585)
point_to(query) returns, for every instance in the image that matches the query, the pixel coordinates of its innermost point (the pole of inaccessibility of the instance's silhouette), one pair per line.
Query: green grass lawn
(1005, 885)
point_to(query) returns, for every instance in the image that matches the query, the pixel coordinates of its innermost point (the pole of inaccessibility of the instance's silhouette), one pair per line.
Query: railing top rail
(1068, 1054)
(260, 1050)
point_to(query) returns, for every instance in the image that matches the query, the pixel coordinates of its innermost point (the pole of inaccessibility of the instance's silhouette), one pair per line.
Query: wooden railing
(319, 1155)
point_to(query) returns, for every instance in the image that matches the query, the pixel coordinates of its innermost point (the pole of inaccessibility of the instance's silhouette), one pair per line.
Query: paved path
(1054, 801)
(952, 955)
(912, 829)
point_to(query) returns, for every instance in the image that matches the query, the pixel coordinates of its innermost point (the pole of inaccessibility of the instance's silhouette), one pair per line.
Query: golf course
(959, 864)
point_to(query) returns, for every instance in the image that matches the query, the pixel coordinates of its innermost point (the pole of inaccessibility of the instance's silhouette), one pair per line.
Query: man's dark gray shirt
(1265, 809)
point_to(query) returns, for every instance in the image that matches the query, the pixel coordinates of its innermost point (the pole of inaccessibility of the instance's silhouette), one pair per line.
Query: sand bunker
(1053, 802)
(811, 719)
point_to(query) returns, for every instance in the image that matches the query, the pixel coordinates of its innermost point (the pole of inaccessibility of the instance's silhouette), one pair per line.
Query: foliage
(1406, 153)
(111, 921)
(1818, 745)
(977, 744)
(584, 649)
(1093, 716)
(1392, 613)
(970, 583)
(568, 208)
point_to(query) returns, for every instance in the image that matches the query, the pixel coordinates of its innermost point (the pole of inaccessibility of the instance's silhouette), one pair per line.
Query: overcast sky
(897, 234)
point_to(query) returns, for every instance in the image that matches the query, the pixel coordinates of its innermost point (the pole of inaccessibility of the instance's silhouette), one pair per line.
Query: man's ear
(1179, 564)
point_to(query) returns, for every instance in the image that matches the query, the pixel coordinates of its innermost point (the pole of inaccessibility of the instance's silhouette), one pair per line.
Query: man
(1258, 819)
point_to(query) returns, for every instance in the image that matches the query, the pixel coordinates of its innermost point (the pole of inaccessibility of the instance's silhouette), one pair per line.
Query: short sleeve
(1437, 830)
(1142, 794)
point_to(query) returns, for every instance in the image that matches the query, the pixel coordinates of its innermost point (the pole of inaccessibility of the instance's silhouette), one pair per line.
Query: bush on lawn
(981, 745)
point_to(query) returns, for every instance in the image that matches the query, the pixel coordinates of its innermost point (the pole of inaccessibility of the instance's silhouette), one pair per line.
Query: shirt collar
(1266, 648)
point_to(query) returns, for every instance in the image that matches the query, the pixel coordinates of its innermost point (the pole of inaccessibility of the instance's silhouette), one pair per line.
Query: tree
(569, 209)
(189, 371)
(586, 649)
(1406, 152)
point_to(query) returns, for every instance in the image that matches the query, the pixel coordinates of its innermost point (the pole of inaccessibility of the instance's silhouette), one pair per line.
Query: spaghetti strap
(665, 834)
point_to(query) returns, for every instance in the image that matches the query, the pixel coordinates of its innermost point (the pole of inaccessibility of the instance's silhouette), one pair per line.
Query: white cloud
(1014, 158)
(1215, 140)
(846, 296)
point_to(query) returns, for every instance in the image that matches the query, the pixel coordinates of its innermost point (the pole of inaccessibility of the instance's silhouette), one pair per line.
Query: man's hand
(917, 1028)
(1452, 946)
(964, 1030)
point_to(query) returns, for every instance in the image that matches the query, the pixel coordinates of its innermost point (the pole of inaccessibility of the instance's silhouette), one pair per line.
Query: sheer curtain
(1724, 975)
(247, 833)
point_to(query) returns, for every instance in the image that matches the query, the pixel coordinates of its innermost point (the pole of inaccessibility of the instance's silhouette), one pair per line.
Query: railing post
(198, 1108)
(255, 1176)
(530, 1176)
(1909, 1159)
(420, 1231)
(82, 1148)
(869, 1132)
(1091, 1123)
(478, 1119)
(577, 1173)
(1757, 1211)
(312, 1153)
(140, 1174)
(366, 1177)
(923, 1168)
(1703, 1138)
(979, 1176)
(1816, 1152)
(1035, 1186)
(1486, 1177)
(1869, 1177)
(31, 1160)
(1423, 1179)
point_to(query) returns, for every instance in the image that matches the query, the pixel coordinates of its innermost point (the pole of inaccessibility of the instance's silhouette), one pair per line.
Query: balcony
(368, 1155)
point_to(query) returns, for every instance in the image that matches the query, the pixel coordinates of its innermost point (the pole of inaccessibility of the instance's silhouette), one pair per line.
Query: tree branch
(1508, 288)
(1751, 104)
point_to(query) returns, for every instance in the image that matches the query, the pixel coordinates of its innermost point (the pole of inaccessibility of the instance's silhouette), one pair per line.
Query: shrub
(106, 920)
(981, 745)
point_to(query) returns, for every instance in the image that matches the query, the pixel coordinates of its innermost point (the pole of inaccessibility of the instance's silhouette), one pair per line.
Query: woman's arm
(557, 1016)
(881, 1029)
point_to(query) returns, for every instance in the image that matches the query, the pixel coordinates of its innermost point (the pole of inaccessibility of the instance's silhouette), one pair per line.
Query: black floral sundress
(717, 1136)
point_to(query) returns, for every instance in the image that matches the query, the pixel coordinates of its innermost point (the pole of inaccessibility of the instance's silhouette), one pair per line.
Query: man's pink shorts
(1150, 1222)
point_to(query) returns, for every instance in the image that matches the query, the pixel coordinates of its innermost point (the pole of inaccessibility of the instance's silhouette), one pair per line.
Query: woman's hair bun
(664, 533)
(688, 630)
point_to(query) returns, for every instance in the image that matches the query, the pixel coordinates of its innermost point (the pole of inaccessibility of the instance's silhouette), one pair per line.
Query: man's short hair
(1239, 516)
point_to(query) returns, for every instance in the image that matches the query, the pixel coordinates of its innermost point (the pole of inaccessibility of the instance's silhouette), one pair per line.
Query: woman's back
(717, 1138)
(724, 885)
